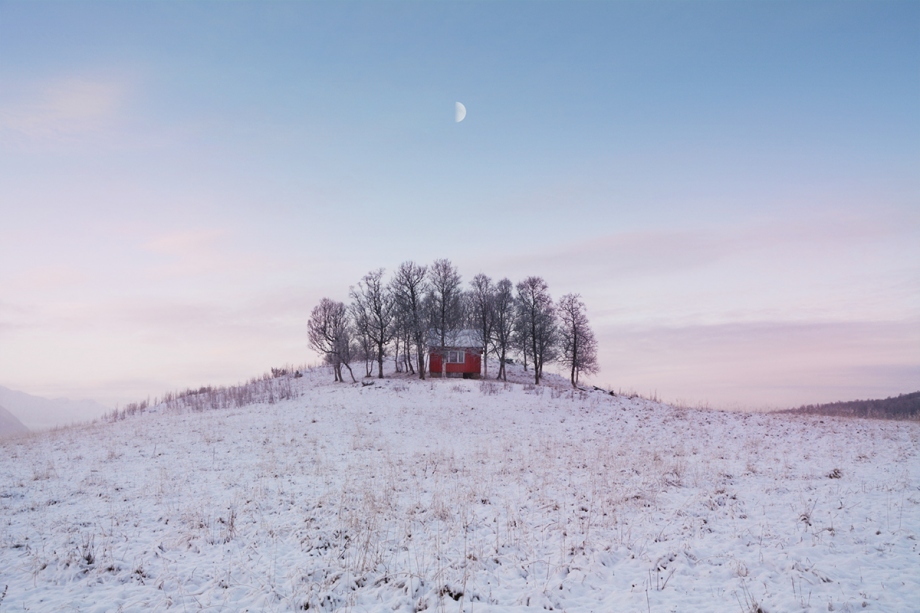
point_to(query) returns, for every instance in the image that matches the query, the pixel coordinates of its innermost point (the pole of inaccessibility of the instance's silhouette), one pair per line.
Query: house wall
(472, 365)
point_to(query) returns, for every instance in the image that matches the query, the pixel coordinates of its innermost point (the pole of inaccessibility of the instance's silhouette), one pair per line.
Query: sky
(732, 187)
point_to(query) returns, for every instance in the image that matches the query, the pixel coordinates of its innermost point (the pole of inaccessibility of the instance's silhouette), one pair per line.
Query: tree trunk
(574, 358)
(421, 360)
(336, 372)
(536, 364)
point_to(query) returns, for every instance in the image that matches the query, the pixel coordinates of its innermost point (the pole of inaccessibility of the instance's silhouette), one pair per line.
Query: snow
(457, 495)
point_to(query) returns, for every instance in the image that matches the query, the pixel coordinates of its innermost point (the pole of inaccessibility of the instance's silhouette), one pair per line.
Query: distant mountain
(904, 406)
(38, 413)
(9, 425)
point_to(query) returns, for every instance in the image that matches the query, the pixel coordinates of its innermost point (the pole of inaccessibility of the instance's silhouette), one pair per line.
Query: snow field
(461, 496)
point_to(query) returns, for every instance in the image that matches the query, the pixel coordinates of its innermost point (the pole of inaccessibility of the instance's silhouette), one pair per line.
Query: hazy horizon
(733, 188)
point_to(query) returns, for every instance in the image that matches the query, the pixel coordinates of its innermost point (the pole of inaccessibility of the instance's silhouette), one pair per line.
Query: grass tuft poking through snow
(459, 496)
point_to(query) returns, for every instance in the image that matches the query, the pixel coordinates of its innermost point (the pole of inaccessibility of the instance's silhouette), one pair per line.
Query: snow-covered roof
(459, 338)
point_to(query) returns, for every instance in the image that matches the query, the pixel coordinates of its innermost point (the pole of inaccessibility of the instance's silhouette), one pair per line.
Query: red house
(463, 357)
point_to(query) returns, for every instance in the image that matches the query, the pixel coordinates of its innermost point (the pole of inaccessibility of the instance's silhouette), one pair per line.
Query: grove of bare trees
(425, 309)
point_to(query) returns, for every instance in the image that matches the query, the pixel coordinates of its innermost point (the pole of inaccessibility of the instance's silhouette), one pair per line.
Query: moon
(459, 112)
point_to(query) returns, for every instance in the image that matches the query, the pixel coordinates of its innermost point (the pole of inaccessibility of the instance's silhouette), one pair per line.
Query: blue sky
(734, 187)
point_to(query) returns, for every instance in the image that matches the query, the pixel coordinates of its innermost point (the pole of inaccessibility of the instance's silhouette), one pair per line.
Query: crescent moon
(459, 112)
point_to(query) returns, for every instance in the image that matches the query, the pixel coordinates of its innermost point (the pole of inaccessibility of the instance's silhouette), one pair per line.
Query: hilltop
(458, 495)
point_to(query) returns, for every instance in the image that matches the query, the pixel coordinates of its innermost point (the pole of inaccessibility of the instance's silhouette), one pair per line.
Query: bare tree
(373, 302)
(329, 333)
(481, 308)
(503, 312)
(537, 316)
(397, 347)
(365, 345)
(579, 347)
(520, 337)
(402, 336)
(445, 304)
(410, 285)
(346, 350)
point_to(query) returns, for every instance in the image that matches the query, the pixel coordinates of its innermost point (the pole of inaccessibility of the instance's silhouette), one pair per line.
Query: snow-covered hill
(461, 496)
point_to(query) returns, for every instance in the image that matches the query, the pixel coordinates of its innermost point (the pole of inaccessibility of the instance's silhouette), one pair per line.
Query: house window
(456, 357)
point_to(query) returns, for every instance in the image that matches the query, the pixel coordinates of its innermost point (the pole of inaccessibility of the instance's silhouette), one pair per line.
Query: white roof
(459, 338)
